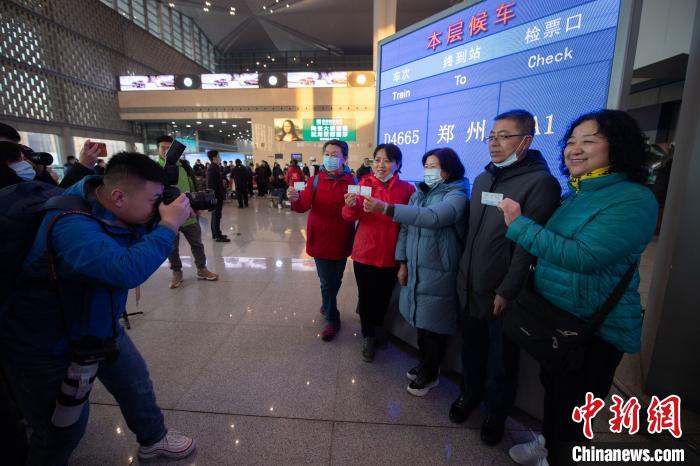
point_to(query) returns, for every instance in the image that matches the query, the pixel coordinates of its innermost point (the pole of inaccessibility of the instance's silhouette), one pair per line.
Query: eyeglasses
(502, 137)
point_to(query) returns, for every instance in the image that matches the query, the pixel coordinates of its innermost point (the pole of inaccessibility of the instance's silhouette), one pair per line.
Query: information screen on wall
(444, 82)
(324, 129)
(147, 83)
(230, 81)
(317, 79)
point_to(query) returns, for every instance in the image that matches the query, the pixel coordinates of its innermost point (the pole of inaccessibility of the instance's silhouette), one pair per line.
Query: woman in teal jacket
(602, 227)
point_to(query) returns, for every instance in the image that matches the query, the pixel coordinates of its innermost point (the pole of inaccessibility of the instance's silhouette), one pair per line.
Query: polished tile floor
(239, 365)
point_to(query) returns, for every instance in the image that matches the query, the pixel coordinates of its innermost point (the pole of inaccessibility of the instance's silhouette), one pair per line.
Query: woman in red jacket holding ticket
(375, 241)
(328, 236)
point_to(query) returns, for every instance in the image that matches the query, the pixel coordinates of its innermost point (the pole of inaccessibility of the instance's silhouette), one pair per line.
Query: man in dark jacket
(365, 169)
(251, 176)
(198, 168)
(493, 270)
(241, 177)
(215, 182)
(262, 179)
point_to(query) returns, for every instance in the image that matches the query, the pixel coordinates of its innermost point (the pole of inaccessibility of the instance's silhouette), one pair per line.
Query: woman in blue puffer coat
(428, 252)
(601, 228)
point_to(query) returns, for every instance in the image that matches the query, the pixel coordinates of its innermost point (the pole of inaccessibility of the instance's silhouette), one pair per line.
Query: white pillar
(384, 24)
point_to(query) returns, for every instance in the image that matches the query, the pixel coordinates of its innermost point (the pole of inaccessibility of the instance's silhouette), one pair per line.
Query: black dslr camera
(200, 200)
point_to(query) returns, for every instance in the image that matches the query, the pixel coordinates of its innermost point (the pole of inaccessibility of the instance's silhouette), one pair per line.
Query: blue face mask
(512, 158)
(331, 163)
(431, 176)
(24, 170)
(507, 162)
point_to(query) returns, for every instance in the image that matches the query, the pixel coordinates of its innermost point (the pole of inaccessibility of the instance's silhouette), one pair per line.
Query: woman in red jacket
(294, 173)
(375, 242)
(328, 236)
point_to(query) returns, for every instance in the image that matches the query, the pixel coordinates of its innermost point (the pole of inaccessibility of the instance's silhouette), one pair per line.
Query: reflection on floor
(239, 365)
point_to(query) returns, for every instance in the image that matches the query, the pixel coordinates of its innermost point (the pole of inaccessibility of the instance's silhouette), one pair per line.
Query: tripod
(126, 314)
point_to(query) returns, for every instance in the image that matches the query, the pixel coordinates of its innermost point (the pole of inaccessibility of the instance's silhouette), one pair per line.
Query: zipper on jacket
(478, 228)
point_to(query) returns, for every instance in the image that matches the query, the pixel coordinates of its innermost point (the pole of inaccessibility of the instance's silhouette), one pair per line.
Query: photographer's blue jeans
(36, 381)
(330, 274)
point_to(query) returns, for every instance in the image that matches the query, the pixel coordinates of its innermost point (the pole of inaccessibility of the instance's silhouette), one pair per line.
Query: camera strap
(53, 272)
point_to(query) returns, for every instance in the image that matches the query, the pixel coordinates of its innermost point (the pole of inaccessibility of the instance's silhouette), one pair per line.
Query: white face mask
(431, 176)
(512, 158)
(24, 170)
(386, 178)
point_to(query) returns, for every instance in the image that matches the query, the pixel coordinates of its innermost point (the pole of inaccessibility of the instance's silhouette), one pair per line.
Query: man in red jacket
(328, 236)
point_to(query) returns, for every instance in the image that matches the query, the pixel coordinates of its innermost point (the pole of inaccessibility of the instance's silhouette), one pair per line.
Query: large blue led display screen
(442, 85)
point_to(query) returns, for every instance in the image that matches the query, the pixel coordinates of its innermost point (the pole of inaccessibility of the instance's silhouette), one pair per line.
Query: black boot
(492, 430)
(461, 408)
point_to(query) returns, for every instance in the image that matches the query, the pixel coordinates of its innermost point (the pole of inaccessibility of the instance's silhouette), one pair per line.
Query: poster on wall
(288, 129)
(230, 81)
(324, 129)
(147, 83)
(442, 84)
(317, 79)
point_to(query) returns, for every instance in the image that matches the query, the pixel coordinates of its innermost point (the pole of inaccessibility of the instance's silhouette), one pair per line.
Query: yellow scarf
(597, 173)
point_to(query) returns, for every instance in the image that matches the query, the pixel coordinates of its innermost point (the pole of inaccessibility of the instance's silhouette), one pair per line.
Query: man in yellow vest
(193, 233)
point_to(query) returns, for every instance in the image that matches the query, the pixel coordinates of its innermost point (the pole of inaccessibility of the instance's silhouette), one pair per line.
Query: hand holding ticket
(353, 189)
(492, 199)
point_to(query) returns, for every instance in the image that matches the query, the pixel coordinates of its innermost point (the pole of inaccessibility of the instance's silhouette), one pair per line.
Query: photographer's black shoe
(461, 408)
(492, 431)
(222, 239)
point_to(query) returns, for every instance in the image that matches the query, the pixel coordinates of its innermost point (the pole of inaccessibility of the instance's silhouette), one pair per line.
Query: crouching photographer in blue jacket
(60, 327)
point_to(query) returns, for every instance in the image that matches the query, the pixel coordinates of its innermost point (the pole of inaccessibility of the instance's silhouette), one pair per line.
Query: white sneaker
(174, 445)
(421, 385)
(530, 453)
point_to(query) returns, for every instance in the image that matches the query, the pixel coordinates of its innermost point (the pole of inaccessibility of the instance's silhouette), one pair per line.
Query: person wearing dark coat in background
(276, 171)
(365, 169)
(262, 179)
(11, 426)
(100, 167)
(241, 178)
(251, 177)
(71, 161)
(215, 182)
(493, 269)
(306, 171)
(198, 168)
(13, 168)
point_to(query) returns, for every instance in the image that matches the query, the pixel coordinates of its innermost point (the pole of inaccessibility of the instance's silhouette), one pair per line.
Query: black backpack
(22, 208)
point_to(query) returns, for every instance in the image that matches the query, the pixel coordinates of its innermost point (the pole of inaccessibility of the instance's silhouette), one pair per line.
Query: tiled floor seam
(193, 380)
(331, 421)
